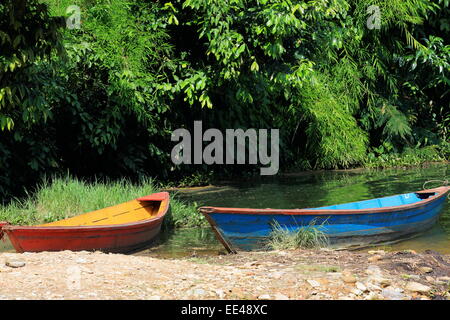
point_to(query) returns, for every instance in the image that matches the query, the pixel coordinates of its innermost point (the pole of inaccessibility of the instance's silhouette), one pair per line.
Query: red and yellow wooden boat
(121, 228)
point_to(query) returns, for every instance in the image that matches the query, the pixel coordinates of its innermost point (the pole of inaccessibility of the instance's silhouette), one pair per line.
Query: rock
(360, 286)
(195, 292)
(375, 258)
(220, 293)
(15, 264)
(264, 297)
(313, 283)
(380, 252)
(444, 279)
(280, 296)
(417, 287)
(379, 280)
(411, 276)
(392, 294)
(430, 279)
(373, 287)
(373, 270)
(426, 269)
(348, 277)
(81, 260)
(277, 274)
(357, 292)
(154, 298)
(372, 296)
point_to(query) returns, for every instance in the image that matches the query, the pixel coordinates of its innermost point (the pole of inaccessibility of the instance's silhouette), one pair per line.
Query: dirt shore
(301, 274)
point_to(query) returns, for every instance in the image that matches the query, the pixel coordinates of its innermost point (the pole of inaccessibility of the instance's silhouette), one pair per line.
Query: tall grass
(61, 198)
(307, 237)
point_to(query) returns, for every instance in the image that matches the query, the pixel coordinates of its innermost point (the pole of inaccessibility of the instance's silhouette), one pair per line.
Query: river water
(303, 190)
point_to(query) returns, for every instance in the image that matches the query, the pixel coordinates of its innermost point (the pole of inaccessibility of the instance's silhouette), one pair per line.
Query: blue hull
(244, 230)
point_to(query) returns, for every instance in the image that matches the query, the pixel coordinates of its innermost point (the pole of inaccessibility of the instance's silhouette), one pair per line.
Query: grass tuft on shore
(61, 198)
(305, 237)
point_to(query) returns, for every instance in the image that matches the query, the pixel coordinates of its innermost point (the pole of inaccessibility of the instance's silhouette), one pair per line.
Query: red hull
(107, 238)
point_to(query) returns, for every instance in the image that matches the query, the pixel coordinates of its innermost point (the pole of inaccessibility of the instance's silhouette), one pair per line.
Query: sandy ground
(305, 274)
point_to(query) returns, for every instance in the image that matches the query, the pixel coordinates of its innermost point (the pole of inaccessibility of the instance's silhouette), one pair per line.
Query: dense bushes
(107, 103)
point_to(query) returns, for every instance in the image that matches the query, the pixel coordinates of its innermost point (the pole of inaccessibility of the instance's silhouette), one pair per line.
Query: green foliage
(27, 36)
(103, 100)
(383, 157)
(334, 138)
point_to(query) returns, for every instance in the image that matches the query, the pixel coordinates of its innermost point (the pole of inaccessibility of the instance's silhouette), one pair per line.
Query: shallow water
(314, 189)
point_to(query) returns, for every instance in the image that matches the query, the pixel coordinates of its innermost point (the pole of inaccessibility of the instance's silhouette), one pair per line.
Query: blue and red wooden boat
(121, 228)
(351, 224)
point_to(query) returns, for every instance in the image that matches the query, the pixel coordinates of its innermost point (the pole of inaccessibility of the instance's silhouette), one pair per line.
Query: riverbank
(301, 274)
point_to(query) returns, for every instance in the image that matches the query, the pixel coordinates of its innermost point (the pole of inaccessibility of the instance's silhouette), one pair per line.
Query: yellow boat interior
(127, 212)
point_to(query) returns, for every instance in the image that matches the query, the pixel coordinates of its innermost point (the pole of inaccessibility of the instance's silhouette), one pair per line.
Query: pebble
(360, 286)
(81, 260)
(280, 296)
(264, 297)
(313, 283)
(277, 274)
(374, 258)
(348, 277)
(357, 292)
(196, 292)
(15, 264)
(5, 269)
(373, 270)
(373, 287)
(379, 280)
(392, 294)
(376, 252)
(426, 269)
(372, 296)
(417, 287)
(220, 293)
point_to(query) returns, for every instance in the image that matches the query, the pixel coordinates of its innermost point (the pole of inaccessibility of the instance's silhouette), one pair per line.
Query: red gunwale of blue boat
(247, 228)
